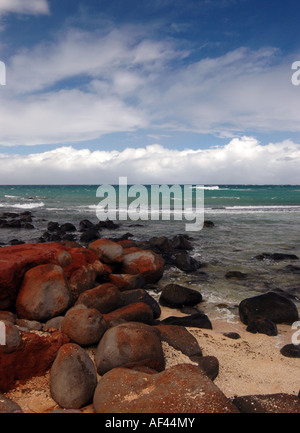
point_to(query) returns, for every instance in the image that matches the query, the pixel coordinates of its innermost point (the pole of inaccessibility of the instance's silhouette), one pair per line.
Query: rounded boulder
(84, 326)
(73, 377)
(44, 293)
(130, 344)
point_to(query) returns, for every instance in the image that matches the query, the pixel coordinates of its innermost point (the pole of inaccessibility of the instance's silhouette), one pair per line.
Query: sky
(160, 91)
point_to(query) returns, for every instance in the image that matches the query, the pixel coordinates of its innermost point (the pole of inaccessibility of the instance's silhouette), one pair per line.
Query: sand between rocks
(252, 364)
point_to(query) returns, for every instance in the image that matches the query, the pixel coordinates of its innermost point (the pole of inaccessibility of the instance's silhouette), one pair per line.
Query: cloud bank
(84, 84)
(28, 7)
(241, 161)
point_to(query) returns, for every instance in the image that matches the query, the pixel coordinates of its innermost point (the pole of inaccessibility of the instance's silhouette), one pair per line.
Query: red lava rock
(144, 262)
(127, 281)
(17, 259)
(33, 357)
(137, 312)
(107, 250)
(105, 298)
(44, 293)
(183, 388)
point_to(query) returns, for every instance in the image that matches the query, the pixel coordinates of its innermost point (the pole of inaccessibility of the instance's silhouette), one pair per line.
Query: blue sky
(195, 91)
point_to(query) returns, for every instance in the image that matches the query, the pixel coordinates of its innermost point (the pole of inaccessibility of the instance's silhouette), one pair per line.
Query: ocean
(248, 220)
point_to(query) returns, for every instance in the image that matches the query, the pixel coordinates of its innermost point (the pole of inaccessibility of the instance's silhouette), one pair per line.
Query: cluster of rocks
(85, 314)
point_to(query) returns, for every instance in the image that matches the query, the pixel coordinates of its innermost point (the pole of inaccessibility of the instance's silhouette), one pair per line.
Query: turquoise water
(248, 220)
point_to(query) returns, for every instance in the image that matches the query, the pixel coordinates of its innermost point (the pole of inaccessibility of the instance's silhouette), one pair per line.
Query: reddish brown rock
(33, 357)
(105, 298)
(137, 312)
(180, 338)
(144, 262)
(129, 344)
(16, 260)
(84, 326)
(127, 281)
(44, 293)
(269, 403)
(183, 388)
(107, 250)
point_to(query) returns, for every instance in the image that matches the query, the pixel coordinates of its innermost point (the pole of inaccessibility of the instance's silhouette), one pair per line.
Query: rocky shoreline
(79, 311)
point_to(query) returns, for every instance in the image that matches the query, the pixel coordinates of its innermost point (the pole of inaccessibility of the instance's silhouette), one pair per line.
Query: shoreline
(249, 365)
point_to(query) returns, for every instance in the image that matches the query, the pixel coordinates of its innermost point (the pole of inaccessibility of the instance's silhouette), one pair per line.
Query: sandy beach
(249, 365)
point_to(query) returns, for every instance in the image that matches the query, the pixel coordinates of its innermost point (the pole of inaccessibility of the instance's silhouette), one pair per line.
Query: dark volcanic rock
(276, 257)
(262, 326)
(270, 403)
(291, 350)
(176, 296)
(198, 320)
(208, 364)
(180, 338)
(269, 306)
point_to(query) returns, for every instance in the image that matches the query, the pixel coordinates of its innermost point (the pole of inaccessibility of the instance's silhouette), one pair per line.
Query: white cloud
(30, 7)
(242, 160)
(86, 84)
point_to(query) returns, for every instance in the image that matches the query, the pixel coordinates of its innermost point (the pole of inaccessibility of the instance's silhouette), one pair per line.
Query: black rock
(269, 306)
(85, 224)
(208, 224)
(90, 235)
(262, 326)
(233, 335)
(68, 227)
(52, 226)
(176, 296)
(198, 320)
(9, 406)
(291, 350)
(185, 262)
(276, 257)
(235, 274)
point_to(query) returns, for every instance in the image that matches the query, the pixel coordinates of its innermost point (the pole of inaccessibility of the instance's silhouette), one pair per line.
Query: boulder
(10, 337)
(16, 260)
(137, 312)
(185, 262)
(208, 364)
(107, 251)
(127, 281)
(141, 295)
(105, 298)
(84, 326)
(276, 256)
(183, 388)
(33, 356)
(197, 320)
(176, 296)
(269, 306)
(269, 403)
(9, 406)
(291, 350)
(262, 326)
(180, 338)
(129, 344)
(44, 293)
(73, 377)
(143, 262)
